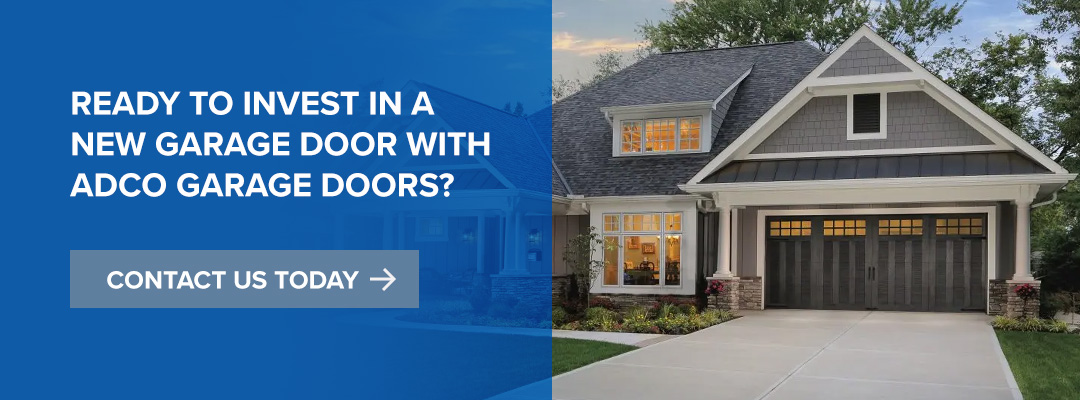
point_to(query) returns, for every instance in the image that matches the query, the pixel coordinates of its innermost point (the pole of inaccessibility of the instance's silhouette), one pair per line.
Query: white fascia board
(918, 76)
(643, 199)
(653, 108)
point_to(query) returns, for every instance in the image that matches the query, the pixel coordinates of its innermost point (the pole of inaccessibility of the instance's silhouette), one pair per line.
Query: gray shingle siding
(914, 120)
(864, 58)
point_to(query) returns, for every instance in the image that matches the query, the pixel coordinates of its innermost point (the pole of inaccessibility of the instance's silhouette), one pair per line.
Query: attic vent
(866, 116)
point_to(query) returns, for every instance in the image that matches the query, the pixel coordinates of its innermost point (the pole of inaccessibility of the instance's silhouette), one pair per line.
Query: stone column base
(1004, 301)
(534, 289)
(740, 293)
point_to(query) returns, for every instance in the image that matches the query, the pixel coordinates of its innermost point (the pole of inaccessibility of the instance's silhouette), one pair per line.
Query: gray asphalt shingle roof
(582, 137)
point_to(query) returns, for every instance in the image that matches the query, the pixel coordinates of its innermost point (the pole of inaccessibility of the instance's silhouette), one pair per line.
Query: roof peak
(732, 47)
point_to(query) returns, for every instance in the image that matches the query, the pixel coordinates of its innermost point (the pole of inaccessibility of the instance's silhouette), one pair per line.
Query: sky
(581, 29)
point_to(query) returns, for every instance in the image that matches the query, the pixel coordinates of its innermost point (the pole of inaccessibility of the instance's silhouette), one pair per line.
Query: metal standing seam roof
(906, 166)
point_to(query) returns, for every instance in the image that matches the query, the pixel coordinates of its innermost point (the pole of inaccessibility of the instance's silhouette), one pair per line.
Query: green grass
(1046, 365)
(569, 354)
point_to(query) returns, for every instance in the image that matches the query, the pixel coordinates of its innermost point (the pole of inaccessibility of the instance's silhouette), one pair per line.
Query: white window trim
(644, 122)
(704, 135)
(444, 236)
(662, 251)
(883, 133)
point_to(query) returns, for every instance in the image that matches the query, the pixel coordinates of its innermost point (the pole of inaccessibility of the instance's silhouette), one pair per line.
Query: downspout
(1052, 200)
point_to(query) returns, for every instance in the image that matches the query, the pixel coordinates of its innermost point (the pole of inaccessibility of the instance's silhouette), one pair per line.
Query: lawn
(1046, 365)
(568, 354)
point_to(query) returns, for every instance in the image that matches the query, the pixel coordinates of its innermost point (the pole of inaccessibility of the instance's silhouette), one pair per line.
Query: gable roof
(516, 148)
(916, 77)
(582, 135)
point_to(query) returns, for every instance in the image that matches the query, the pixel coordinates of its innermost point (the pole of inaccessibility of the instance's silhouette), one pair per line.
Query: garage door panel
(900, 265)
(846, 271)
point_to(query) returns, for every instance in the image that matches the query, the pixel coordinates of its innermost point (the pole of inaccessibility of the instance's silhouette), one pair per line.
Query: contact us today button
(244, 279)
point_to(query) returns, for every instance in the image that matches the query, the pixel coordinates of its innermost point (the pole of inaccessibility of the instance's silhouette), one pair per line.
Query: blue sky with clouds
(581, 29)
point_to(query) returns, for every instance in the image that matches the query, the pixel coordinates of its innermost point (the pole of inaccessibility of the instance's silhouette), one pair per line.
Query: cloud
(559, 14)
(566, 41)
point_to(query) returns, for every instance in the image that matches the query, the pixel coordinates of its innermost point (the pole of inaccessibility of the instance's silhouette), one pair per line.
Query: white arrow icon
(389, 278)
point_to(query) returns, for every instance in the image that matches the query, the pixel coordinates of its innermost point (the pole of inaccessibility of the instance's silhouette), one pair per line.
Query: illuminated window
(689, 133)
(845, 227)
(641, 222)
(673, 221)
(661, 135)
(643, 249)
(900, 227)
(611, 223)
(959, 226)
(789, 228)
(631, 136)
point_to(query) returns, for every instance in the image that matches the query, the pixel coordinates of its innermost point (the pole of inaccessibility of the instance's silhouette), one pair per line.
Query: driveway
(806, 354)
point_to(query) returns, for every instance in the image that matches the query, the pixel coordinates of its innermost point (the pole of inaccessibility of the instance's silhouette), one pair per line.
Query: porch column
(480, 244)
(1023, 241)
(723, 253)
(514, 246)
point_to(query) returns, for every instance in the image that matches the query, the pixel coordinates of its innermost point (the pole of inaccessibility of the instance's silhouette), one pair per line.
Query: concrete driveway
(805, 354)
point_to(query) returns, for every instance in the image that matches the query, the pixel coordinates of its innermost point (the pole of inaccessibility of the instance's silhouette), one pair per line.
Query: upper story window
(866, 116)
(659, 135)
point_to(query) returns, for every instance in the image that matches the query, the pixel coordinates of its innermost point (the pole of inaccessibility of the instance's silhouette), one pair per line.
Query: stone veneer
(740, 293)
(1004, 301)
(533, 289)
(559, 286)
(624, 301)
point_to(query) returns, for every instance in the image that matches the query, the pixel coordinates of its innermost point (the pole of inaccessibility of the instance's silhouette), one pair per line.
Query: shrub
(676, 324)
(636, 312)
(666, 310)
(480, 298)
(571, 326)
(524, 309)
(1029, 325)
(559, 316)
(639, 323)
(598, 313)
(601, 302)
(502, 306)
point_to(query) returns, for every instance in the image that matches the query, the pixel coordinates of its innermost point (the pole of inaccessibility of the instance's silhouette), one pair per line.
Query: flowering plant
(715, 288)
(1026, 291)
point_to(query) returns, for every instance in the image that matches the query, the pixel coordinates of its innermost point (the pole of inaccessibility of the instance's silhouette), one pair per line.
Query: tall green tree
(703, 24)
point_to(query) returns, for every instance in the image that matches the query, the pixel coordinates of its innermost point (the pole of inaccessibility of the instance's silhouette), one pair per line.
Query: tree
(518, 109)
(606, 64)
(578, 255)
(706, 24)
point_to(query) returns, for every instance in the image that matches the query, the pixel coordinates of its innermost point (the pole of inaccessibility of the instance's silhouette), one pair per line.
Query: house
(852, 180)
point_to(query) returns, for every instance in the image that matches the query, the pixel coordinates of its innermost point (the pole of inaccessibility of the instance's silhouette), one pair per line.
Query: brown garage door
(902, 262)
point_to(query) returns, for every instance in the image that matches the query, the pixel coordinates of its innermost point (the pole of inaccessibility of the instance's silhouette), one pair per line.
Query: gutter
(1052, 200)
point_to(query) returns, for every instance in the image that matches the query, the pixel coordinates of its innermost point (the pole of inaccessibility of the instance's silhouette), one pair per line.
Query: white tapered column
(1023, 241)
(723, 253)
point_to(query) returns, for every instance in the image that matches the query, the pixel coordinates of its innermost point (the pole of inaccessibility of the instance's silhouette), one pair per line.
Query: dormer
(677, 110)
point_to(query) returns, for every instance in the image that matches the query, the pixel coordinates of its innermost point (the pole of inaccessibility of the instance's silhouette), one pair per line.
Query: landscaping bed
(670, 316)
(570, 354)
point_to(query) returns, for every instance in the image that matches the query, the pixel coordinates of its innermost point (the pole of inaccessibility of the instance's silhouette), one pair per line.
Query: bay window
(642, 249)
